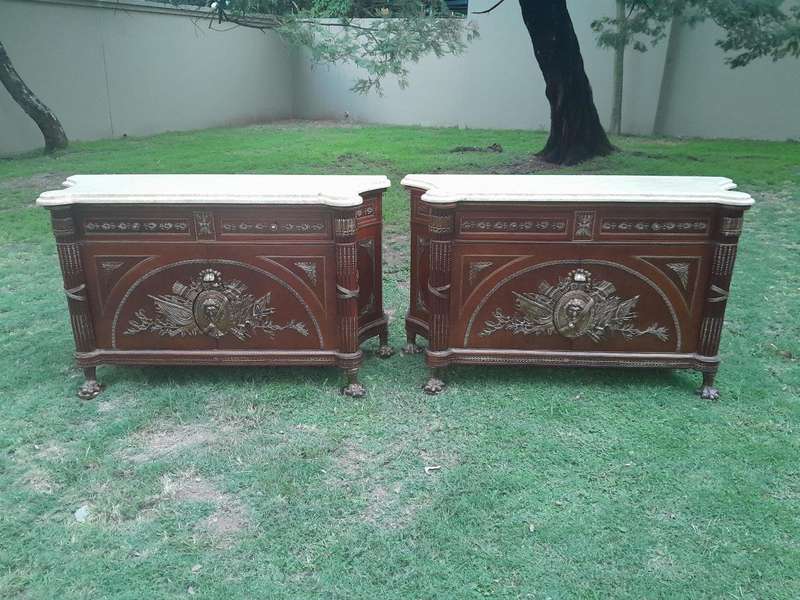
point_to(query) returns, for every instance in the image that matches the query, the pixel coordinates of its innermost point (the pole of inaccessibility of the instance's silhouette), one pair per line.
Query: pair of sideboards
(286, 270)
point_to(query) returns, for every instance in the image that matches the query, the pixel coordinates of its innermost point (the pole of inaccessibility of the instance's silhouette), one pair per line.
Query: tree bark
(575, 130)
(53, 132)
(619, 71)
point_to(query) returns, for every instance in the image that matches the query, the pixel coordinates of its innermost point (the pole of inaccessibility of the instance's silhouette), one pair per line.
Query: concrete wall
(137, 71)
(497, 83)
(139, 68)
(708, 99)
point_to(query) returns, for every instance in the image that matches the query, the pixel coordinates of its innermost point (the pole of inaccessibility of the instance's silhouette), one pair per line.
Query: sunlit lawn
(266, 483)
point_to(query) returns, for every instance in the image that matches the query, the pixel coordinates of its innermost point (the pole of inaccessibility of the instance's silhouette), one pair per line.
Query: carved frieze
(136, 226)
(209, 305)
(575, 307)
(513, 225)
(272, 227)
(657, 226)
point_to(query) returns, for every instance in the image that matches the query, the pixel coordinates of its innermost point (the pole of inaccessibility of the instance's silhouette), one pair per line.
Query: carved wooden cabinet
(571, 270)
(221, 269)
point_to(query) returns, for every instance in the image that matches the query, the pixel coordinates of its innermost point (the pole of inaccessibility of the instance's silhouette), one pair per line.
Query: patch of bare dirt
(154, 444)
(490, 148)
(49, 451)
(350, 159)
(530, 165)
(344, 123)
(226, 521)
(307, 428)
(396, 483)
(39, 481)
(229, 517)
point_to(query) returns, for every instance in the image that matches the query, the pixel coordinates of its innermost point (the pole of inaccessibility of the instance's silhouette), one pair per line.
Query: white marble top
(330, 190)
(446, 189)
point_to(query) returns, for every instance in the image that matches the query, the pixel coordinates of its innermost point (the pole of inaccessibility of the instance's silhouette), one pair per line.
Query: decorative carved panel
(680, 270)
(574, 307)
(112, 268)
(209, 305)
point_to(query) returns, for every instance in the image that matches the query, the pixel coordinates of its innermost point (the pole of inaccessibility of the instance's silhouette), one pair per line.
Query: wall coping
(143, 6)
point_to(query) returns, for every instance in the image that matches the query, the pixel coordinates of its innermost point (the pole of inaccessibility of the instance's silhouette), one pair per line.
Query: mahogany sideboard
(571, 270)
(221, 269)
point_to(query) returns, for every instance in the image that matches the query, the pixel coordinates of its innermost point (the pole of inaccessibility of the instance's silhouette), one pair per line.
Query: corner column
(69, 257)
(350, 355)
(441, 228)
(729, 228)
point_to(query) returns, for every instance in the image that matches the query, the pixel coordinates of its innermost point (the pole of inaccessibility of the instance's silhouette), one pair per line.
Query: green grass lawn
(266, 483)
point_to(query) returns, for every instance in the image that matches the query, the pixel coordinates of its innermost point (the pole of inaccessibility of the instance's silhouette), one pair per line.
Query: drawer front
(211, 297)
(594, 223)
(169, 223)
(578, 300)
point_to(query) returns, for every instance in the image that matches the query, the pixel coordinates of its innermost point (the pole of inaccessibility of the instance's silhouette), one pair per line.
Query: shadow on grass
(203, 376)
(659, 381)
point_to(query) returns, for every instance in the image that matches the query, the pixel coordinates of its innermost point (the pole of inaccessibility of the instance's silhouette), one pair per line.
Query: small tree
(49, 125)
(751, 29)
(631, 23)
(382, 38)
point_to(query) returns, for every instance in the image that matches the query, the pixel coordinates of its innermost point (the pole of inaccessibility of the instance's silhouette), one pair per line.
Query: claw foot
(411, 348)
(433, 386)
(89, 390)
(354, 390)
(385, 351)
(709, 392)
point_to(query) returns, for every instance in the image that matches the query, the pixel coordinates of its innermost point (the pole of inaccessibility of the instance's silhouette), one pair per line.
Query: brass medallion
(210, 306)
(574, 308)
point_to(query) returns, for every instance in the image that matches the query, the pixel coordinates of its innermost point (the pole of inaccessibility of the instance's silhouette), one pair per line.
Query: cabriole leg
(708, 391)
(434, 385)
(385, 350)
(354, 389)
(90, 388)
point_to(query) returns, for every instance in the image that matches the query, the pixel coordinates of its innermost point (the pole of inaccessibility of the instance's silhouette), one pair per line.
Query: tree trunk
(619, 71)
(53, 132)
(575, 130)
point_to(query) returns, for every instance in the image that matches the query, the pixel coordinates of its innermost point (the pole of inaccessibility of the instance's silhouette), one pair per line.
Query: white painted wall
(146, 70)
(497, 83)
(107, 72)
(709, 99)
